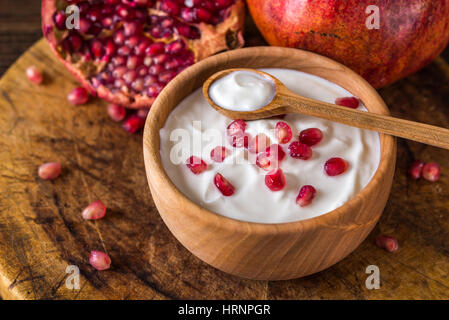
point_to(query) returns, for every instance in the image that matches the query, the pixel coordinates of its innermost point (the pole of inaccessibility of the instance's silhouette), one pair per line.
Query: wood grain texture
(41, 231)
(266, 251)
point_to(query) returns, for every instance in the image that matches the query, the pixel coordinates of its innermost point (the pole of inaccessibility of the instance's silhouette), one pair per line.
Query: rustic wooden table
(41, 232)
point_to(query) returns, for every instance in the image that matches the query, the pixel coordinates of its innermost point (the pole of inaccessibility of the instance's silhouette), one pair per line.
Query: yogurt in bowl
(204, 131)
(272, 249)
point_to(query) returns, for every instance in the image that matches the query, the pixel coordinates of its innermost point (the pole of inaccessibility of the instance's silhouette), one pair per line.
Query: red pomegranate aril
(240, 140)
(99, 260)
(97, 48)
(130, 28)
(119, 37)
(116, 112)
(388, 243)
(222, 4)
(110, 48)
(188, 14)
(133, 123)
(236, 127)
(78, 96)
(84, 25)
(259, 143)
(196, 165)
(130, 76)
(311, 136)
(124, 50)
(132, 42)
(133, 62)
(283, 132)
(49, 171)
(143, 113)
(155, 69)
(202, 15)
(218, 154)
(276, 152)
(154, 90)
(155, 48)
(431, 171)
(335, 166)
(94, 211)
(223, 185)
(415, 170)
(34, 75)
(350, 102)
(275, 180)
(138, 85)
(59, 19)
(300, 150)
(266, 162)
(306, 195)
(175, 47)
(166, 76)
(170, 7)
(161, 58)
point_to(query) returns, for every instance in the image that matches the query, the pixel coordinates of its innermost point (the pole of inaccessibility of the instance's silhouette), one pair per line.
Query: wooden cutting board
(42, 232)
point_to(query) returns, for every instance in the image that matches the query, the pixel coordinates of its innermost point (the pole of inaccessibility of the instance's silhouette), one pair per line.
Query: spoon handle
(420, 132)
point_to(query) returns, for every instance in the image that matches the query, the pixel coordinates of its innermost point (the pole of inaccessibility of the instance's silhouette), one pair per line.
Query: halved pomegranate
(126, 51)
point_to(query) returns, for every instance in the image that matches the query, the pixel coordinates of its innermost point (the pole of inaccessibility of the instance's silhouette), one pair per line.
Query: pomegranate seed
(119, 37)
(59, 18)
(275, 180)
(415, 169)
(218, 154)
(166, 76)
(335, 166)
(311, 136)
(222, 4)
(305, 195)
(170, 7)
(99, 260)
(225, 187)
(188, 14)
(196, 165)
(350, 102)
(155, 48)
(431, 171)
(386, 242)
(175, 47)
(94, 211)
(259, 143)
(84, 25)
(116, 112)
(78, 96)
(97, 48)
(276, 152)
(300, 150)
(240, 141)
(133, 123)
(283, 132)
(266, 162)
(203, 15)
(34, 75)
(237, 127)
(49, 171)
(155, 89)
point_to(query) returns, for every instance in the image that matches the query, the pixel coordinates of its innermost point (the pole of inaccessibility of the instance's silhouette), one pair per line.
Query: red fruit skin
(415, 170)
(223, 185)
(388, 243)
(213, 40)
(405, 42)
(99, 260)
(275, 180)
(306, 195)
(431, 171)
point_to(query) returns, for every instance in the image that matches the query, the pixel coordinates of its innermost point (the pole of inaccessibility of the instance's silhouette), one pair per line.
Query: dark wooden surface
(41, 231)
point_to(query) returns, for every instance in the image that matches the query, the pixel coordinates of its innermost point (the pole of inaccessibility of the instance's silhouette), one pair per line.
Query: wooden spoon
(286, 101)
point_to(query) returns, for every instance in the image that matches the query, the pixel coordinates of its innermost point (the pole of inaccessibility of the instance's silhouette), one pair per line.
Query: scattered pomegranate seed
(275, 151)
(225, 187)
(196, 165)
(431, 171)
(266, 162)
(415, 169)
(78, 96)
(305, 196)
(258, 143)
(236, 128)
(275, 180)
(311, 136)
(283, 132)
(133, 123)
(116, 112)
(49, 171)
(335, 166)
(240, 141)
(300, 150)
(34, 75)
(218, 154)
(350, 102)
(94, 211)
(99, 260)
(386, 242)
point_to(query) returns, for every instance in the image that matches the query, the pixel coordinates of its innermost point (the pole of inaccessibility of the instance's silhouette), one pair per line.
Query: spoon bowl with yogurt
(249, 94)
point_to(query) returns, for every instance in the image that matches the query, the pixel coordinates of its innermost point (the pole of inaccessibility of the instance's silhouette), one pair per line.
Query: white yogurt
(195, 121)
(242, 91)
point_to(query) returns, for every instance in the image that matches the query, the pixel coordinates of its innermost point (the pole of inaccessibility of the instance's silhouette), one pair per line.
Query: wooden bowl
(267, 251)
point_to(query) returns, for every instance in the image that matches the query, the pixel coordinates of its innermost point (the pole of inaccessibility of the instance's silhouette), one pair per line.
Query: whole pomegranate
(126, 51)
(410, 33)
